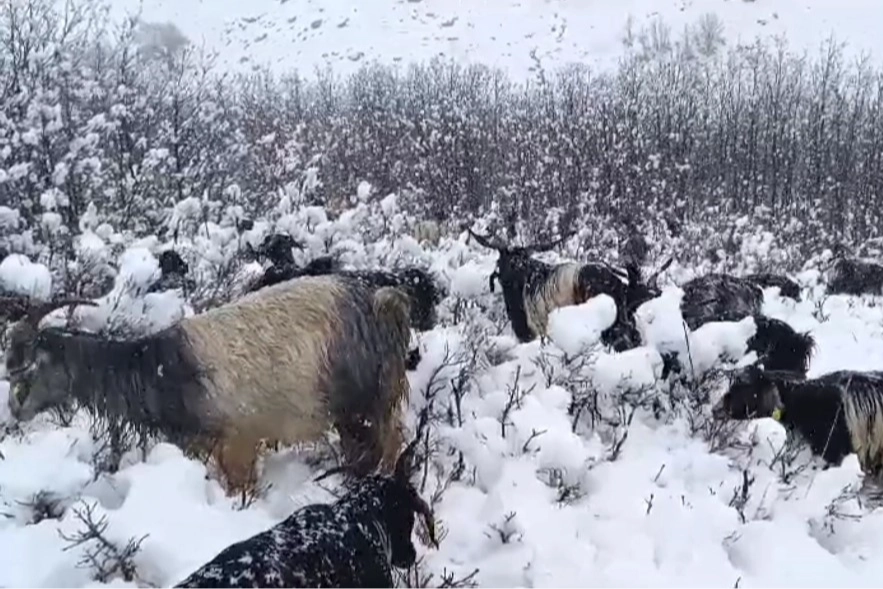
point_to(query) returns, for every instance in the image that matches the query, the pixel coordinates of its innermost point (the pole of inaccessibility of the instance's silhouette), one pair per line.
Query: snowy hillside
(562, 465)
(515, 35)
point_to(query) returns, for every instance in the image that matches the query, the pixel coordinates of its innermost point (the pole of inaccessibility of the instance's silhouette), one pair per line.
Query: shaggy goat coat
(281, 364)
(425, 294)
(354, 542)
(787, 287)
(852, 276)
(837, 413)
(779, 347)
(719, 297)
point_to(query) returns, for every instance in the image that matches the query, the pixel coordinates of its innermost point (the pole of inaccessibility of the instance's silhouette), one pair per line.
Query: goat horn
(405, 462)
(428, 519)
(546, 246)
(331, 471)
(37, 313)
(486, 241)
(661, 269)
(618, 271)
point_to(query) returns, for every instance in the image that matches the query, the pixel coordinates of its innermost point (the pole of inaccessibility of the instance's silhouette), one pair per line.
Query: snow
(520, 36)
(578, 327)
(614, 497)
(20, 276)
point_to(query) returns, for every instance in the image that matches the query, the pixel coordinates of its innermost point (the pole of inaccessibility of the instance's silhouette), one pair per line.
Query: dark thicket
(682, 135)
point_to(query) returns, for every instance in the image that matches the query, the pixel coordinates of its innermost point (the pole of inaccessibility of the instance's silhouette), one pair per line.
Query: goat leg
(236, 458)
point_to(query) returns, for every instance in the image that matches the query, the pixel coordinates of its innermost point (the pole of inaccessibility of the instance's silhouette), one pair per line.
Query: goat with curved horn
(283, 364)
(532, 289)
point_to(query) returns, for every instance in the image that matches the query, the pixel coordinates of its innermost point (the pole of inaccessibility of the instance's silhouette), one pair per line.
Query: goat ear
(406, 463)
(494, 275)
(633, 272)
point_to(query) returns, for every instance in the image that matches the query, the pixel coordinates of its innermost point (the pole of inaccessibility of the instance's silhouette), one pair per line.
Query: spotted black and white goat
(837, 413)
(532, 289)
(787, 287)
(853, 276)
(284, 364)
(424, 291)
(353, 542)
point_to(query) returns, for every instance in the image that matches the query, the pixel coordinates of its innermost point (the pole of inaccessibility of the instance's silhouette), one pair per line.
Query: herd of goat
(316, 346)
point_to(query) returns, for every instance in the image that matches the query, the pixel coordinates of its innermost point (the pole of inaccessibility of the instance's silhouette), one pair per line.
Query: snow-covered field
(516, 35)
(636, 490)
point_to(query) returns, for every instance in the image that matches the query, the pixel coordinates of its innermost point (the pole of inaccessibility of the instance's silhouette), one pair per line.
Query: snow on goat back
(354, 542)
(837, 413)
(283, 364)
(720, 339)
(576, 328)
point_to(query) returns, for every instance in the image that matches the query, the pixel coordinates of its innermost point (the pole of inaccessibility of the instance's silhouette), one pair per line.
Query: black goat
(777, 345)
(425, 293)
(174, 272)
(837, 413)
(852, 276)
(354, 542)
(787, 287)
(277, 248)
(532, 288)
(623, 334)
(418, 284)
(275, 274)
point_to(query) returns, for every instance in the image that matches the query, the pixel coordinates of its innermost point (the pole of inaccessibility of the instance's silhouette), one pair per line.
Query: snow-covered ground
(512, 34)
(629, 493)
